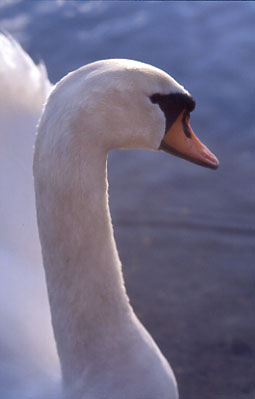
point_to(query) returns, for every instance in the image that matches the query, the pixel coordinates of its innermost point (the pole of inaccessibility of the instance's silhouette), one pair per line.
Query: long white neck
(88, 301)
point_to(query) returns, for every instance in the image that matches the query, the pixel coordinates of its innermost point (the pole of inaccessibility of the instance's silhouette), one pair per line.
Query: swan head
(126, 104)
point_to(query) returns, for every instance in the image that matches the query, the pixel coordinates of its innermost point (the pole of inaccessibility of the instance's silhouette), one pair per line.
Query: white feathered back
(22, 83)
(25, 330)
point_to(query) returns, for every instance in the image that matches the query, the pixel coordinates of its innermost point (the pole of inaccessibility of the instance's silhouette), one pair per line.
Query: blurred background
(186, 235)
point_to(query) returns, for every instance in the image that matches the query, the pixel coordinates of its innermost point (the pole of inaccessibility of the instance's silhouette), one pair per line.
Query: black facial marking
(172, 105)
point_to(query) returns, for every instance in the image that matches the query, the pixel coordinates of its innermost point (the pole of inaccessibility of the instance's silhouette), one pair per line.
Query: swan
(104, 350)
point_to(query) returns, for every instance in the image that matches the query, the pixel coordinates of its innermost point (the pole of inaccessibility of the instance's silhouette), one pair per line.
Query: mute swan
(104, 350)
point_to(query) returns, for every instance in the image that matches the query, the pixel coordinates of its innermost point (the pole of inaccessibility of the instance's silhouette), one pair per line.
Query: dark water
(186, 235)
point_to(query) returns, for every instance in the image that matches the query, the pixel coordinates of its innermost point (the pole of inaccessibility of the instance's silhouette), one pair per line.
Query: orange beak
(180, 140)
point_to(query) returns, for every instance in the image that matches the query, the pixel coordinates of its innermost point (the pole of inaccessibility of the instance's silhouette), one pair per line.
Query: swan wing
(28, 358)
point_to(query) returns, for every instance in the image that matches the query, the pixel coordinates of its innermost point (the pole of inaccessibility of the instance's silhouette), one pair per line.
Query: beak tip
(209, 158)
(215, 163)
(215, 166)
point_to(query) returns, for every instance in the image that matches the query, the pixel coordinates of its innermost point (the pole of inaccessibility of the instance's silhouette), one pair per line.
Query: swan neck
(88, 300)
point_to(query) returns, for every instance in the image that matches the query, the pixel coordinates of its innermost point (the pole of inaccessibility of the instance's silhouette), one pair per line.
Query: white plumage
(104, 351)
(29, 366)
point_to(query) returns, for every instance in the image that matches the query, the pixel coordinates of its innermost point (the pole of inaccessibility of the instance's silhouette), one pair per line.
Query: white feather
(105, 352)
(29, 363)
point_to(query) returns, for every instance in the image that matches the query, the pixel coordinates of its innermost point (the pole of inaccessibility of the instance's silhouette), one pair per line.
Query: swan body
(104, 350)
(29, 366)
